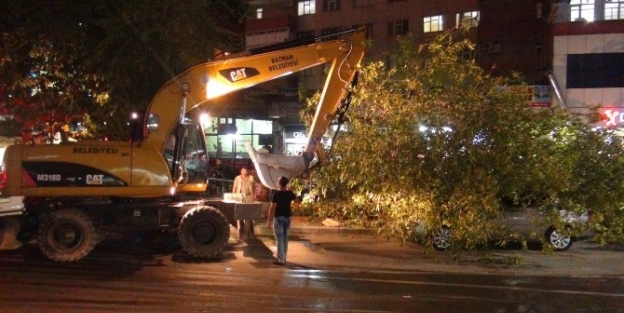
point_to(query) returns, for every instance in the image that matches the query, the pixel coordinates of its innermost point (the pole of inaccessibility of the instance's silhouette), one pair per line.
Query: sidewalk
(312, 245)
(299, 225)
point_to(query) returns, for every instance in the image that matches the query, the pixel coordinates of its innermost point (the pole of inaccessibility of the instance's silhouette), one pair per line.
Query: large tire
(559, 241)
(204, 232)
(67, 235)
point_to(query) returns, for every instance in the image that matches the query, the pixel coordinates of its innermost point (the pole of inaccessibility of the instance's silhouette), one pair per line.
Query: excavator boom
(202, 83)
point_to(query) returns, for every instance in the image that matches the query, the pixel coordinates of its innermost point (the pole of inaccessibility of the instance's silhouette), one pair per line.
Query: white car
(10, 206)
(526, 222)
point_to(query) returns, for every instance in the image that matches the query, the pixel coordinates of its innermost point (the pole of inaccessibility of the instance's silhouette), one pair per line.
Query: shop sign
(295, 133)
(537, 96)
(541, 96)
(613, 117)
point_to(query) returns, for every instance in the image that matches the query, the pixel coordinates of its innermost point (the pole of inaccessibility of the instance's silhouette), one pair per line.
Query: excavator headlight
(214, 88)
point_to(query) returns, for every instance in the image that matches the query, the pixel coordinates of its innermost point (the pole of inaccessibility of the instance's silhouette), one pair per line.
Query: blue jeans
(281, 225)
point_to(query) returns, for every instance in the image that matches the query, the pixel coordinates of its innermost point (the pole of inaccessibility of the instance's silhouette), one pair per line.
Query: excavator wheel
(204, 232)
(67, 235)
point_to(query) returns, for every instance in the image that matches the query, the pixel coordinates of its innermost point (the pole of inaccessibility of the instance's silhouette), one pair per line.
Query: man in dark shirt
(279, 218)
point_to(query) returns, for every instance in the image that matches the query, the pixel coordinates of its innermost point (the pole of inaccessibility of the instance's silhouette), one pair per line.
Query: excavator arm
(204, 82)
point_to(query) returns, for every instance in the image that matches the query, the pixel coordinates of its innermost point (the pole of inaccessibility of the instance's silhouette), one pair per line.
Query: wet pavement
(328, 270)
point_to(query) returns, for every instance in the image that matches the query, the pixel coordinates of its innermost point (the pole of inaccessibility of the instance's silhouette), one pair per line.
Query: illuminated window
(259, 13)
(306, 7)
(433, 24)
(582, 10)
(614, 10)
(397, 28)
(467, 19)
(222, 143)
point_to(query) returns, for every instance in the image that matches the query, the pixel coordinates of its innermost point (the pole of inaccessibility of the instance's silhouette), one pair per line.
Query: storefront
(587, 61)
(226, 137)
(296, 138)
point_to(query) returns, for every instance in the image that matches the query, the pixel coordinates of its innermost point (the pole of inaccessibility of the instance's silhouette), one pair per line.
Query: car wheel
(440, 238)
(557, 240)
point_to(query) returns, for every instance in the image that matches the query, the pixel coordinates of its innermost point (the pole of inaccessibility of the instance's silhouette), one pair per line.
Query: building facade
(570, 52)
(588, 59)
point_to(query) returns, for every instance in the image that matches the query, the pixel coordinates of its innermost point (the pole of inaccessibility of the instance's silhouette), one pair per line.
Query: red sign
(613, 117)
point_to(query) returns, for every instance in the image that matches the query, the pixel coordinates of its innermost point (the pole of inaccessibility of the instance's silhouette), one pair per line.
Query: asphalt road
(324, 274)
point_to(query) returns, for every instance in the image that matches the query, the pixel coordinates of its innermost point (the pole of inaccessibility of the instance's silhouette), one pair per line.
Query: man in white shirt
(244, 184)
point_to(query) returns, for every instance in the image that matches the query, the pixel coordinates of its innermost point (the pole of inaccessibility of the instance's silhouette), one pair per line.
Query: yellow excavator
(79, 192)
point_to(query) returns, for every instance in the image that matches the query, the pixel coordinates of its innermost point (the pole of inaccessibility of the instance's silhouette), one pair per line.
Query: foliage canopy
(433, 138)
(96, 61)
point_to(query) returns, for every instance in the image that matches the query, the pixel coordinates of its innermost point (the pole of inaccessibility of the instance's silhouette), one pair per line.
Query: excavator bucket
(270, 167)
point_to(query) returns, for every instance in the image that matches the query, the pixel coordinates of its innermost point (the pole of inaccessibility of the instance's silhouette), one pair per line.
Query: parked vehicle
(11, 206)
(522, 223)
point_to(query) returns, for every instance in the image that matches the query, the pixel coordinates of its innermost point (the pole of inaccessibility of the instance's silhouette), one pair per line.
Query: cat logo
(95, 179)
(239, 73)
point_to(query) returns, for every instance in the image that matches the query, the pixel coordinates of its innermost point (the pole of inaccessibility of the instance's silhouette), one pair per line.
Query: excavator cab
(184, 150)
(187, 157)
